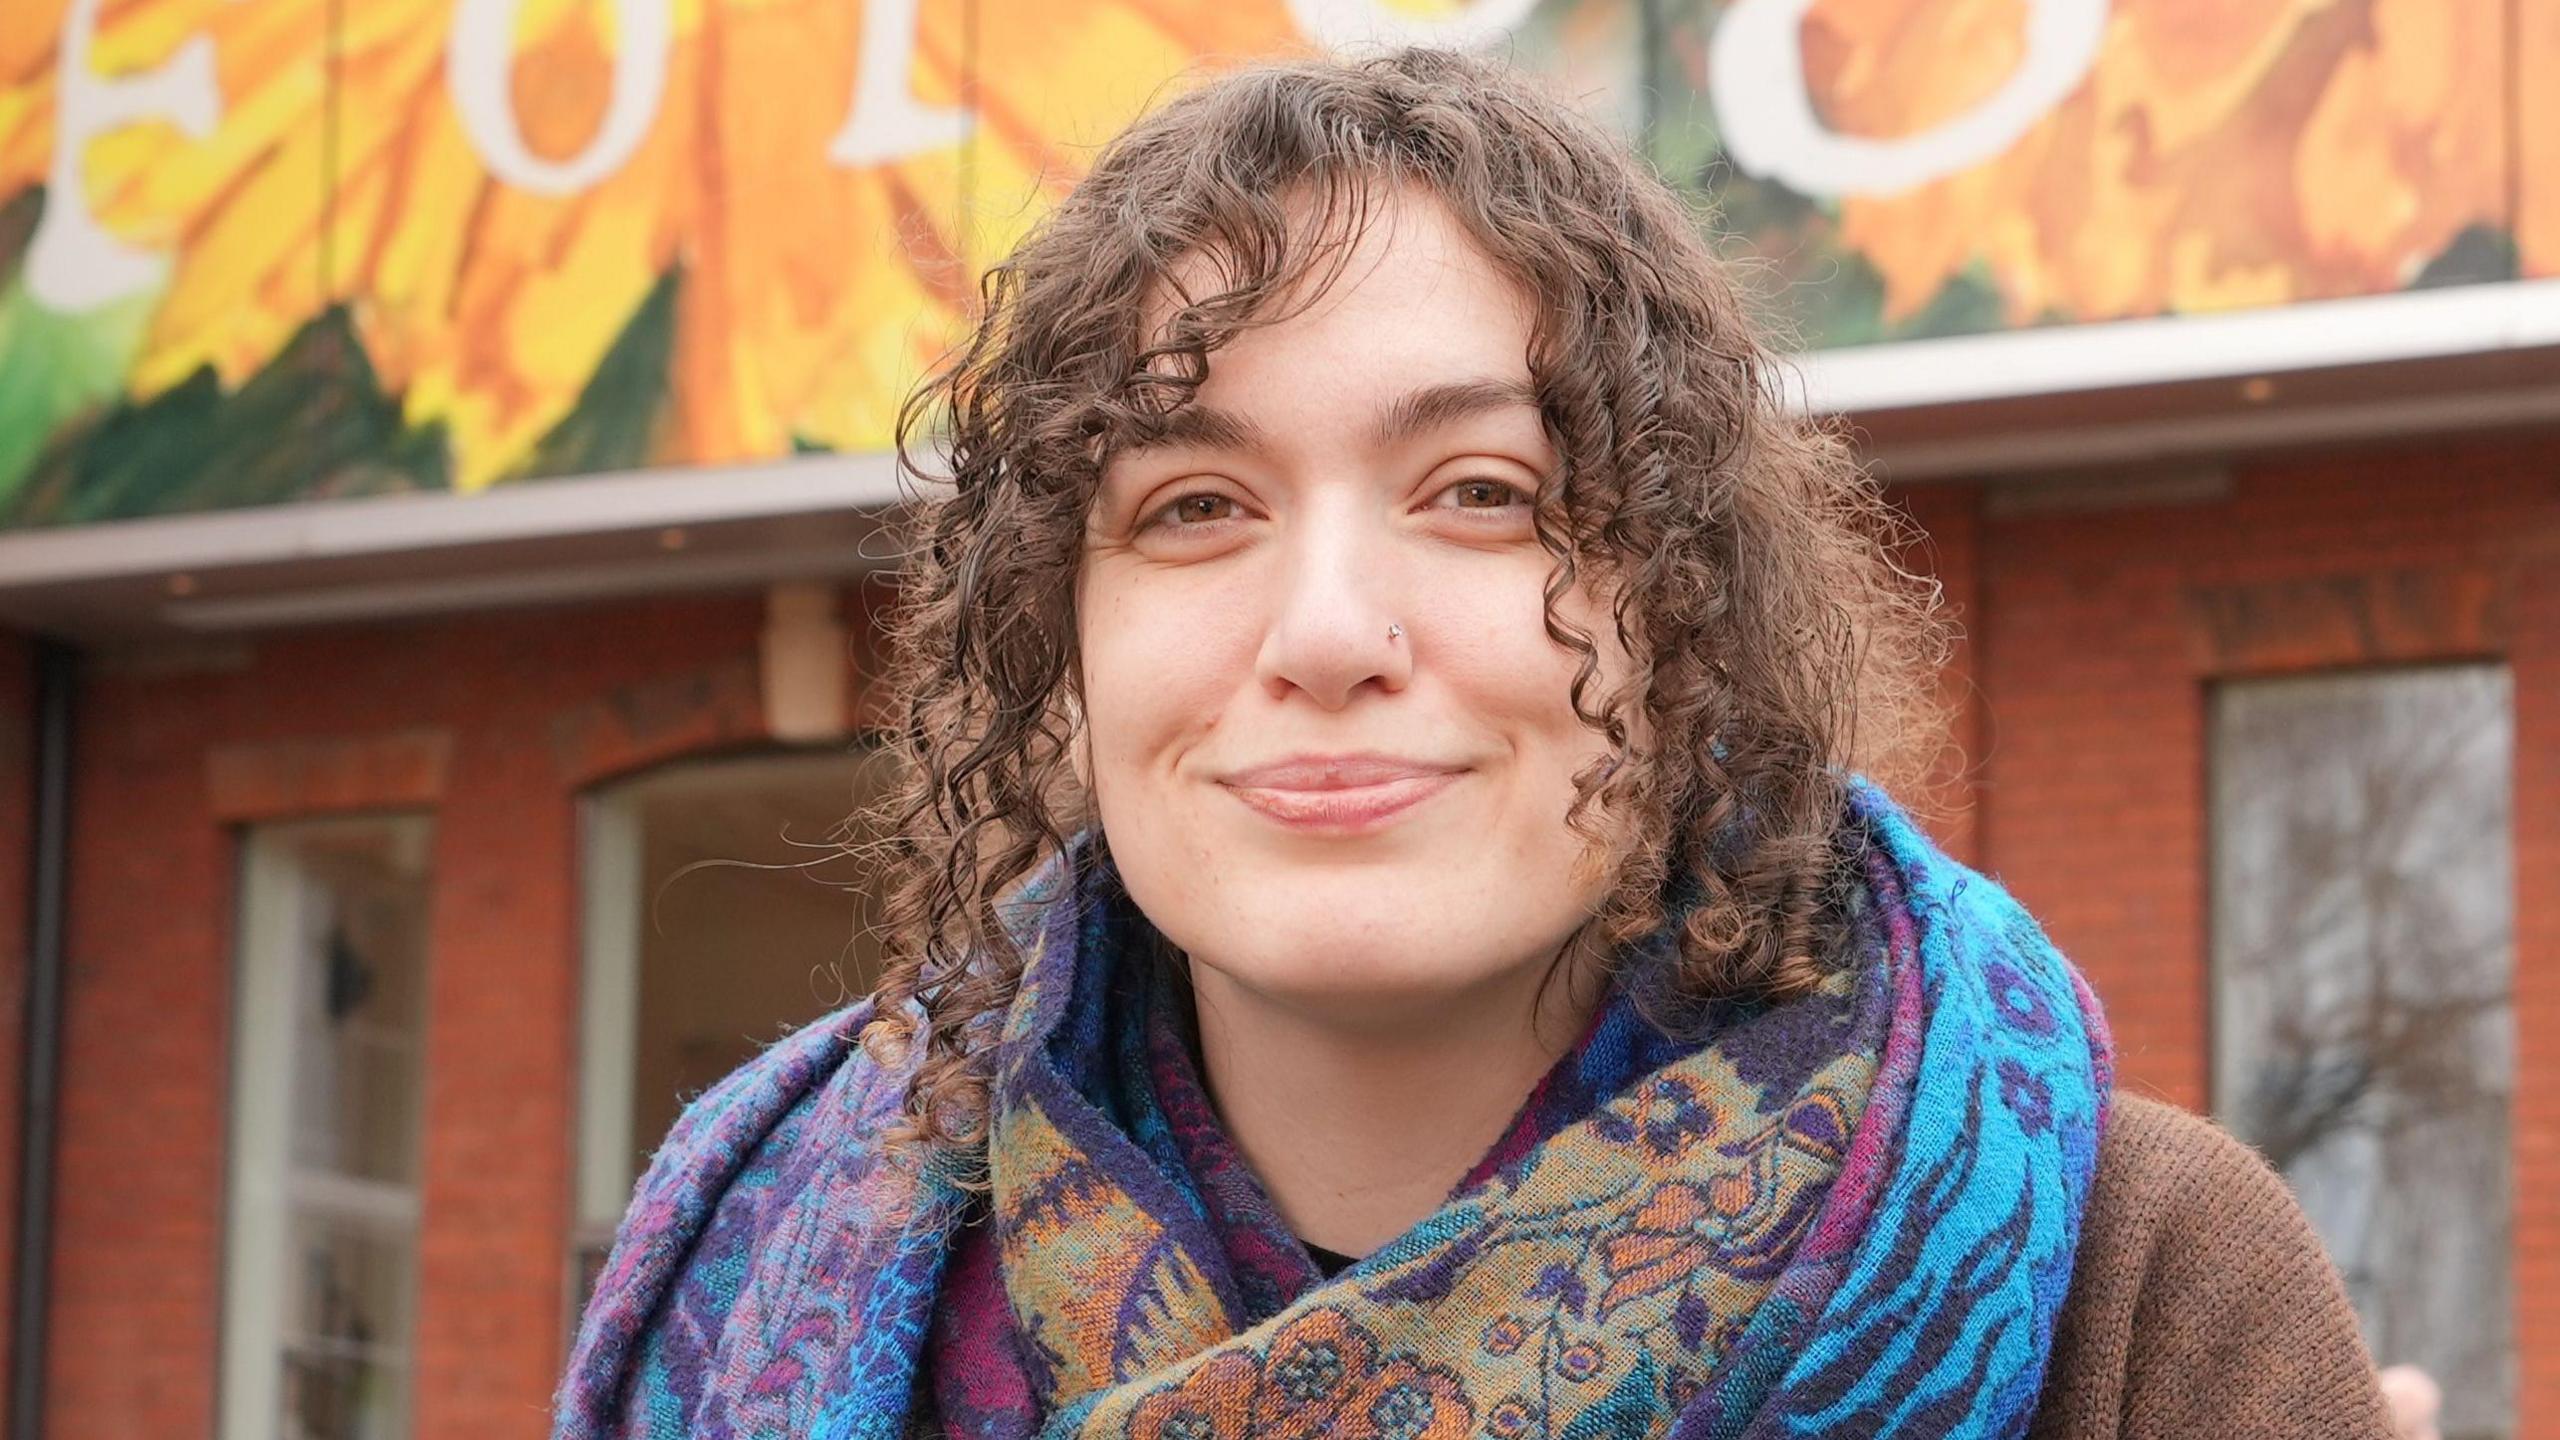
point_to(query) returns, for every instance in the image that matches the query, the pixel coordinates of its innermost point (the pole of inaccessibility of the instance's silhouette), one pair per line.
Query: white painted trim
(353, 1199)
(610, 906)
(274, 928)
(2010, 451)
(381, 524)
(2415, 325)
(500, 589)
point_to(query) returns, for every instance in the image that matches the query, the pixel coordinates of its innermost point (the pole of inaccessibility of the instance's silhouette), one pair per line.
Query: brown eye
(1486, 494)
(1200, 508)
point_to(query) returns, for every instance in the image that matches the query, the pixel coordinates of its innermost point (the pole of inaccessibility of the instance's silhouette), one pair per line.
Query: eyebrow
(1205, 427)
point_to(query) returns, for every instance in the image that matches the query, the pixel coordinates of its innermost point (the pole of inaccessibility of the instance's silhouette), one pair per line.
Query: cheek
(1501, 645)
(1121, 713)
(1153, 677)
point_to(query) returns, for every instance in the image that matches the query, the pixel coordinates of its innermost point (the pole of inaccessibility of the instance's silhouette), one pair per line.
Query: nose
(1336, 580)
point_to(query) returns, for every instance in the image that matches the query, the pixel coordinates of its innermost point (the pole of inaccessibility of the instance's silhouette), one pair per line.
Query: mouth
(1344, 809)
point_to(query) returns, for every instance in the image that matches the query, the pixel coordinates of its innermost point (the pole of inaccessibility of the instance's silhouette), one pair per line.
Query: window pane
(345, 1371)
(359, 1017)
(2364, 961)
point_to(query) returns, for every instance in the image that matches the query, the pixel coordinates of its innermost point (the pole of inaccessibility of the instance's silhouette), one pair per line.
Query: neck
(1359, 1131)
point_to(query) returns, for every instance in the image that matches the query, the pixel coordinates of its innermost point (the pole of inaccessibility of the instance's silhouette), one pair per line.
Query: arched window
(720, 909)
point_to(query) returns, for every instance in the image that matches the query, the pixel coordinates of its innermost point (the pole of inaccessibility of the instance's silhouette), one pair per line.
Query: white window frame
(280, 918)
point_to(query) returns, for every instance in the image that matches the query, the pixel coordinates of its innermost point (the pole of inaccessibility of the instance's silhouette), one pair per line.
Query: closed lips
(1344, 772)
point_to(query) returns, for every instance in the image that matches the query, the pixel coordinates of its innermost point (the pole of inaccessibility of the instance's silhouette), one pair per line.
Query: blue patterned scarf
(1855, 1210)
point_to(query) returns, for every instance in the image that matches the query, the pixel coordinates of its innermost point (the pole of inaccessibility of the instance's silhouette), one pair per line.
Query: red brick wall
(2098, 627)
(1948, 800)
(494, 724)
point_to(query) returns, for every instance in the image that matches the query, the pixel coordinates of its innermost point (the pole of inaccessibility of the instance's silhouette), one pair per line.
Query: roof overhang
(547, 542)
(2133, 392)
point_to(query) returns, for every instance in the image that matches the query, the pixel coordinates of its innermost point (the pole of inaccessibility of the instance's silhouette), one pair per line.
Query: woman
(1387, 939)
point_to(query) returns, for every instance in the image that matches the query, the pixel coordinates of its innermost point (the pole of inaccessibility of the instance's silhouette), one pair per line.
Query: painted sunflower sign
(266, 251)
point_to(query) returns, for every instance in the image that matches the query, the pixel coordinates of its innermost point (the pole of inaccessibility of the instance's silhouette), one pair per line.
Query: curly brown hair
(1751, 567)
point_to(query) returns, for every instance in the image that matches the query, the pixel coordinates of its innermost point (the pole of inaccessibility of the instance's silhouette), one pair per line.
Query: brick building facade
(2096, 617)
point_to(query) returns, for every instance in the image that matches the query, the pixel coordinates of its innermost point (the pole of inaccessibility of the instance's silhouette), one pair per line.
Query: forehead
(1408, 287)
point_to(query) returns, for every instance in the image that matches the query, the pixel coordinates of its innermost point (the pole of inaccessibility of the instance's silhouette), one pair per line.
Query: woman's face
(1323, 813)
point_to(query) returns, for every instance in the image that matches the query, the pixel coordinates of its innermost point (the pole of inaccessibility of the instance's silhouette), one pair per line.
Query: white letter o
(480, 58)
(1755, 77)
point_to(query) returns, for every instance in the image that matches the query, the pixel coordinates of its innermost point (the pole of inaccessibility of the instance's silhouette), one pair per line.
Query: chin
(1331, 955)
(1378, 927)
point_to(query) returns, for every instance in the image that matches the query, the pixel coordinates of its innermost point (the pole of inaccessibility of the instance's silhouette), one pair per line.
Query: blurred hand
(2414, 1398)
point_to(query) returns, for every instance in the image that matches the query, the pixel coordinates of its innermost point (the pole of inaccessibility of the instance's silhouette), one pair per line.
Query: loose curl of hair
(1751, 568)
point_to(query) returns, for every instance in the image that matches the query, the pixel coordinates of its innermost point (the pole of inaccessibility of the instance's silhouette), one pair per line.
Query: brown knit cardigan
(2202, 1304)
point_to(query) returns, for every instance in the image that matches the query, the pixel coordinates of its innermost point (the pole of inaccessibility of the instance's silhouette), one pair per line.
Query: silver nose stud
(1394, 630)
